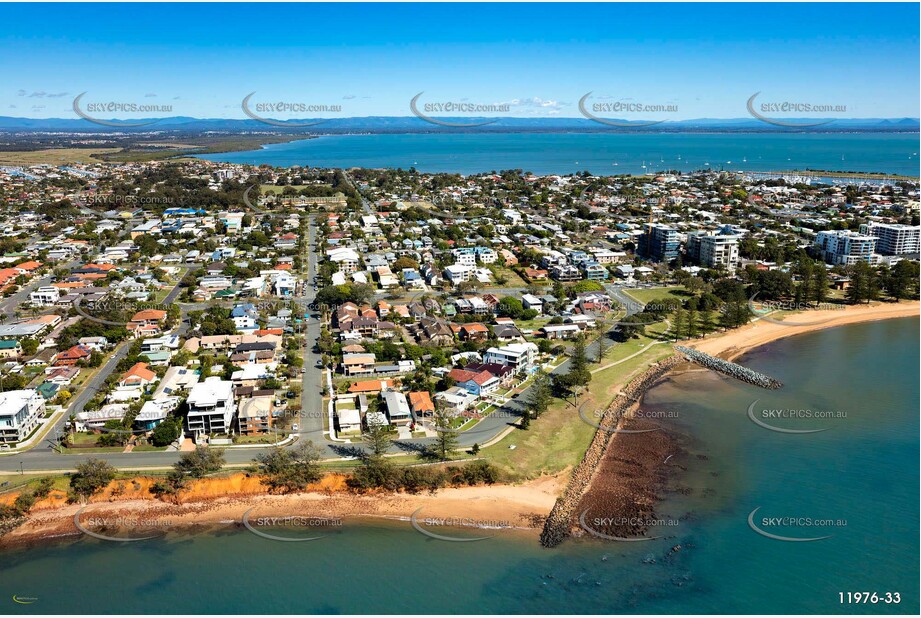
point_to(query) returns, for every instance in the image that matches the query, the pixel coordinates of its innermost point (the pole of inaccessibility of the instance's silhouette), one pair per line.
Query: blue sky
(371, 59)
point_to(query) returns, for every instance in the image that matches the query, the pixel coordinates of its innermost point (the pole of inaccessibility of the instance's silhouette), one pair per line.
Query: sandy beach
(734, 343)
(222, 501)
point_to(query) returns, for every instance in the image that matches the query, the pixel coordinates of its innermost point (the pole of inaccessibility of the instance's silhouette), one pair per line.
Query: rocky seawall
(560, 521)
(732, 370)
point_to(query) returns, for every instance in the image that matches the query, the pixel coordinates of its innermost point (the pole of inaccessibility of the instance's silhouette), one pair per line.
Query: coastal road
(11, 303)
(310, 421)
(93, 385)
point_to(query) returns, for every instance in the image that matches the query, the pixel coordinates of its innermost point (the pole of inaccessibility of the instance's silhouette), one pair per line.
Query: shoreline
(525, 507)
(733, 344)
(224, 502)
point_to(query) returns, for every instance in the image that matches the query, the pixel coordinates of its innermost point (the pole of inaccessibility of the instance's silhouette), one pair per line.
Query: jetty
(732, 370)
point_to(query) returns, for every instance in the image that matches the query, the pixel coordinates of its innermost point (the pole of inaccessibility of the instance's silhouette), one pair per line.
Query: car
(304, 370)
(295, 427)
(319, 364)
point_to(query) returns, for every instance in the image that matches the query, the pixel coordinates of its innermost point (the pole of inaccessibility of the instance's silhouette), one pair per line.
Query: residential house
(10, 348)
(360, 364)
(421, 404)
(529, 301)
(398, 412)
(20, 412)
(72, 356)
(479, 383)
(559, 331)
(211, 407)
(254, 415)
(147, 322)
(521, 356)
(370, 386)
(138, 376)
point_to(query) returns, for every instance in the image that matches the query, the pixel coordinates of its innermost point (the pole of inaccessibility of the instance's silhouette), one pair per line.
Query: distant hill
(412, 124)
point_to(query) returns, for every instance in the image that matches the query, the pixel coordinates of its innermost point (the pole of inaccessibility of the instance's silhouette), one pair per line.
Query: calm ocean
(600, 153)
(862, 474)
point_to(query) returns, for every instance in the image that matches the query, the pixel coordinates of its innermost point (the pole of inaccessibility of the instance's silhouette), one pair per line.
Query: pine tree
(806, 268)
(525, 420)
(820, 283)
(578, 375)
(446, 440)
(857, 290)
(707, 325)
(541, 393)
(603, 343)
(678, 323)
(693, 329)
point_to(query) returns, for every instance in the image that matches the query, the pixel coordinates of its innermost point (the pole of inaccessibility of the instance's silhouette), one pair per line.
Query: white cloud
(536, 105)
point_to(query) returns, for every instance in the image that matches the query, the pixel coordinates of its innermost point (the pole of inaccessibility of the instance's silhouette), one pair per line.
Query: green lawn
(266, 189)
(101, 450)
(512, 280)
(269, 439)
(644, 295)
(558, 439)
(534, 324)
(82, 439)
(554, 442)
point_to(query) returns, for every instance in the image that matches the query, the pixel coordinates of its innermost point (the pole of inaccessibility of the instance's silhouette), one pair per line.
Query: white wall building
(845, 248)
(20, 412)
(45, 295)
(211, 406)
(892, 238)
(521, 356)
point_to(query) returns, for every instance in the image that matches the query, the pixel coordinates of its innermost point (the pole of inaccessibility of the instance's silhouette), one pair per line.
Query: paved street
(310, 422)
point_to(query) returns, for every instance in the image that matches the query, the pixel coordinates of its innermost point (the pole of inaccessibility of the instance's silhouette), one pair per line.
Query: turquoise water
(863, 470)
(561, 153)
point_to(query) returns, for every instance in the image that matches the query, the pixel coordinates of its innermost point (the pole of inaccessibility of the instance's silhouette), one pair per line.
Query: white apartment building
(346, 258)
(893, 238)
(45, 296)
(20, 412)
(521, 356)
(719, 252)
(488, 256)
(464, 257)
(211, 406)
(845, 248)
(606, 256)
(458, 273)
